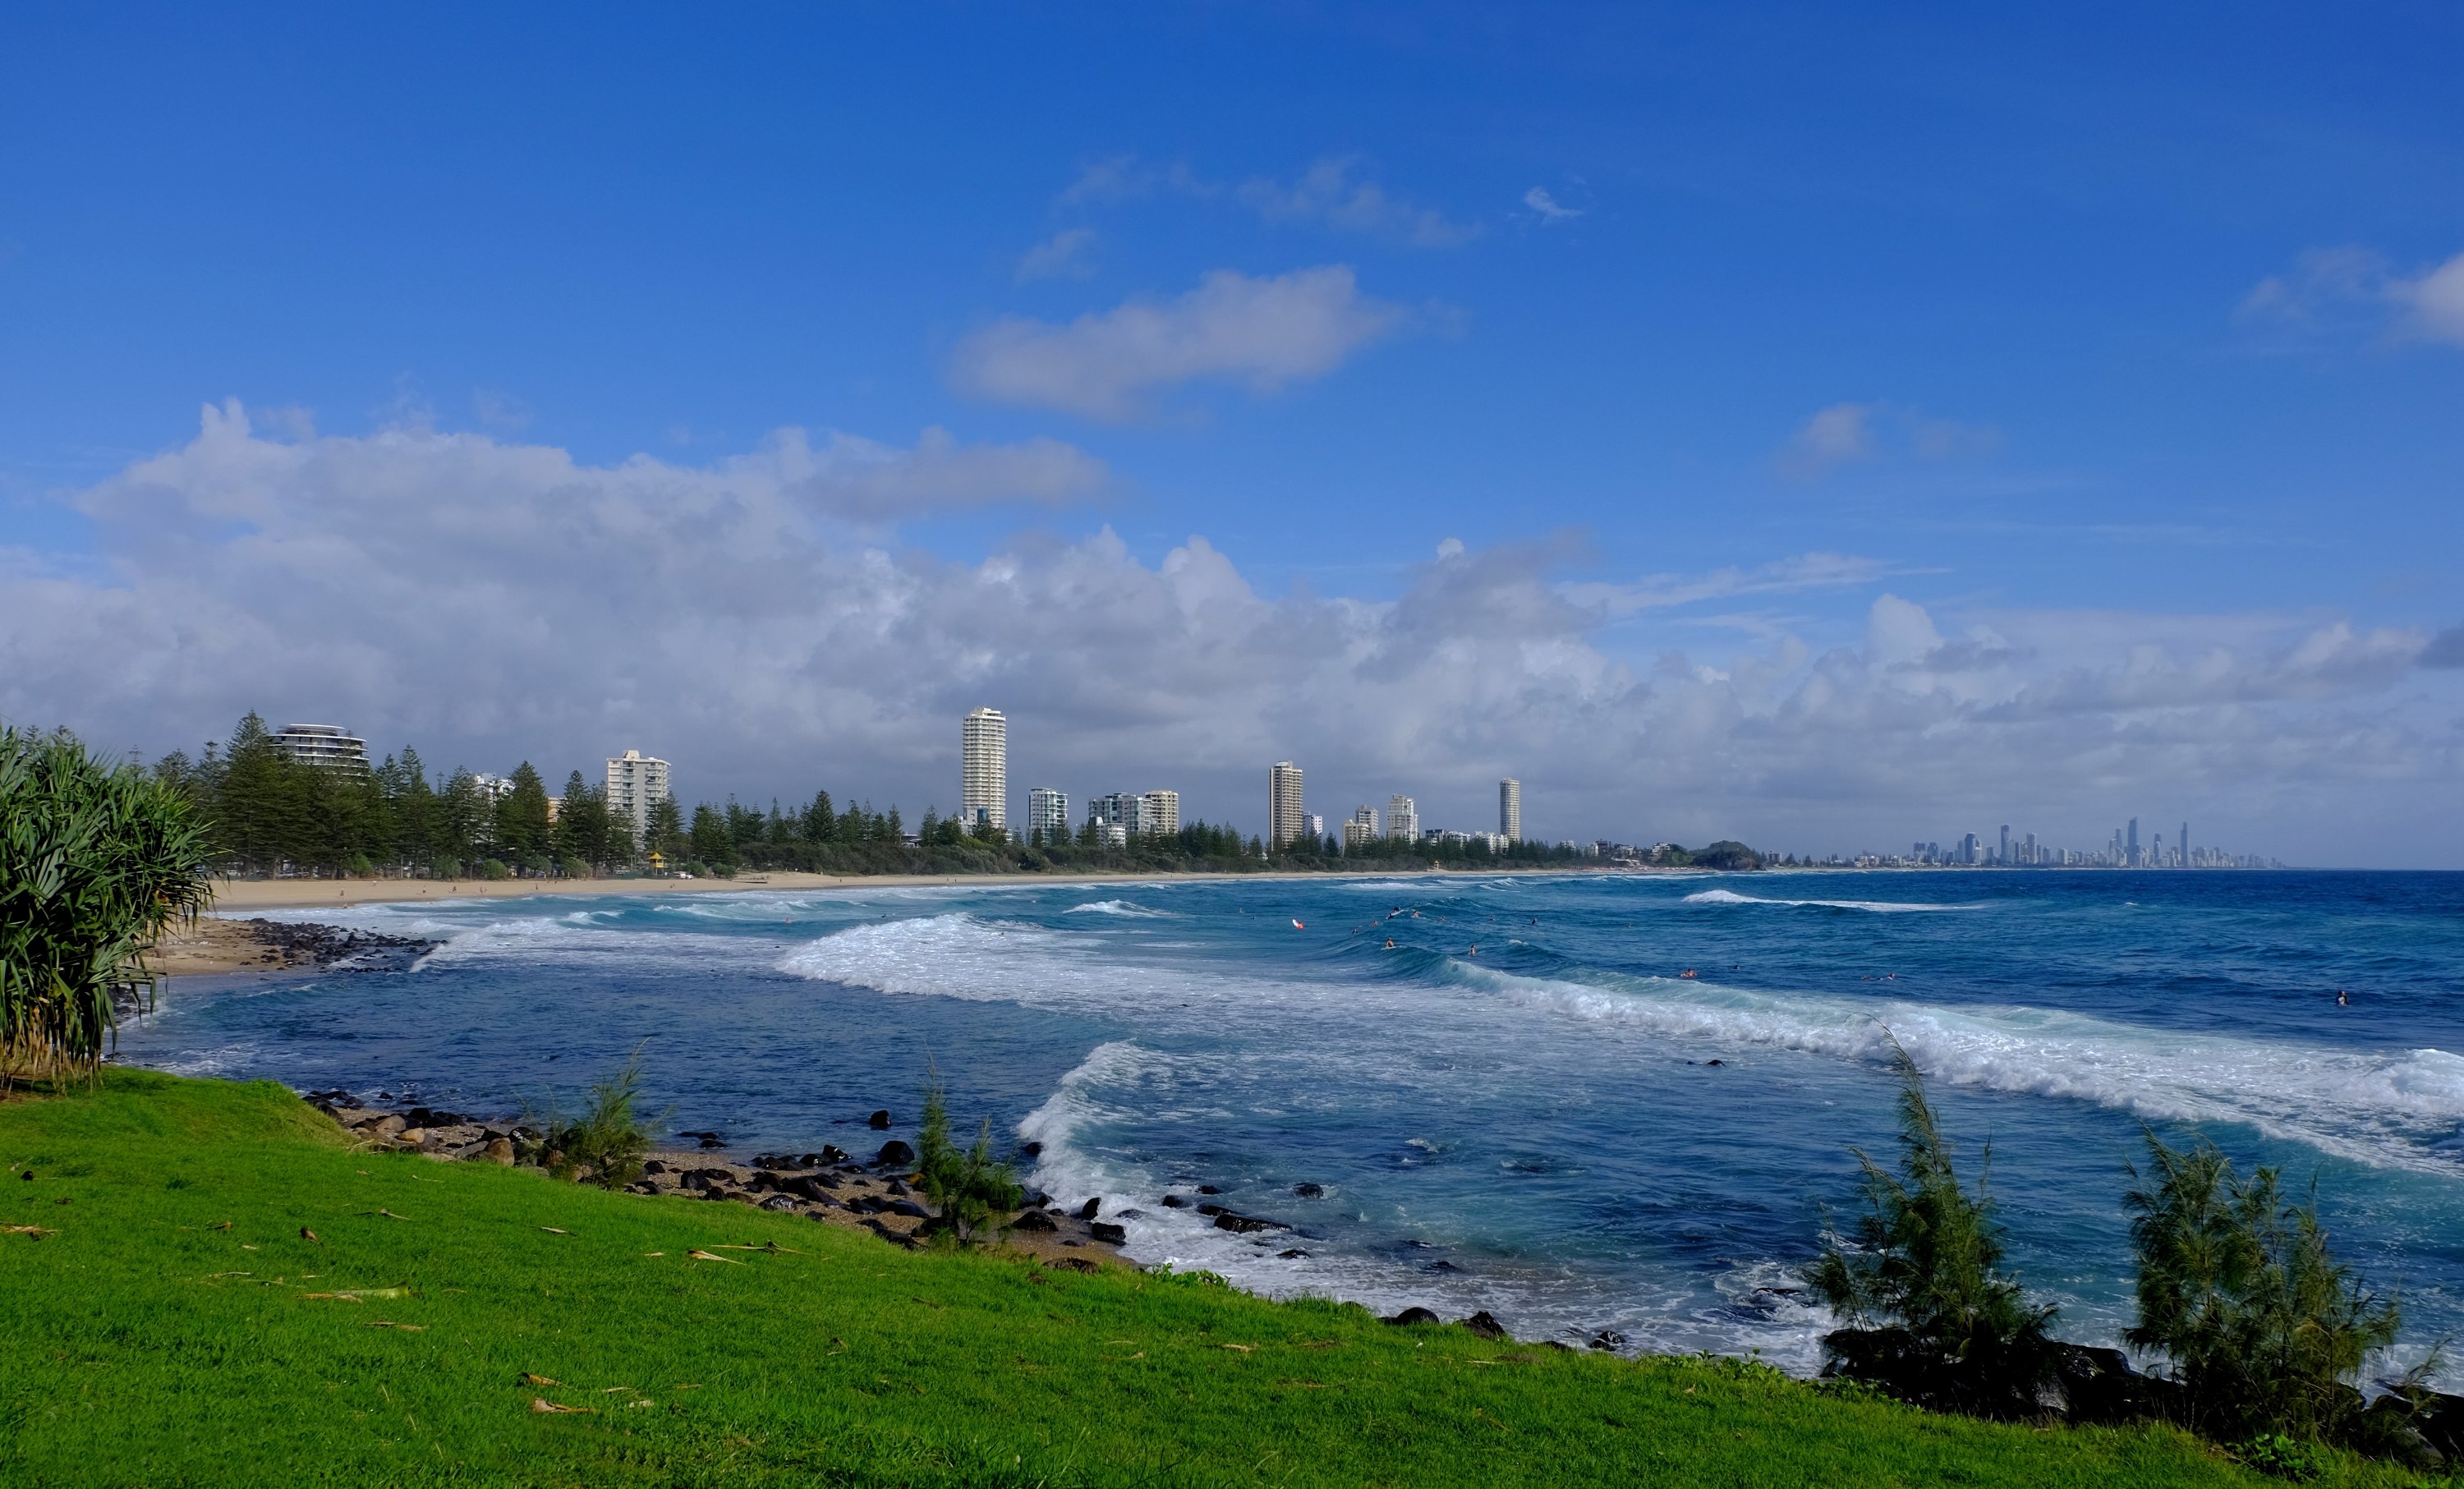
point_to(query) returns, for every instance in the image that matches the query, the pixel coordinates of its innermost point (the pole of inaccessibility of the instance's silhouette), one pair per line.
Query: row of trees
(2262, 1330)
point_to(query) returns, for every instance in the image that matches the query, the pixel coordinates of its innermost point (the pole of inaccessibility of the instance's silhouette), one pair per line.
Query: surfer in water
(2344, 999)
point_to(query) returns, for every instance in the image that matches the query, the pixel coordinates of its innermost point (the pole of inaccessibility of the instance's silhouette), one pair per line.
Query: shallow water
(1536, 1128)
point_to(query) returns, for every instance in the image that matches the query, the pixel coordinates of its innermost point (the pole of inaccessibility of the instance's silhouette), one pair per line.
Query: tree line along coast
(272, 813)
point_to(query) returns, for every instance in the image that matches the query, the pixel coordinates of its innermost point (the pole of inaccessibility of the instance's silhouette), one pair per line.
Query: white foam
(1118, 908)
(1878, 907)
(2387, 1108)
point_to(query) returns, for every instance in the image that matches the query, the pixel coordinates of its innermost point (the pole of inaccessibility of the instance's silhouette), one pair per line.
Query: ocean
(1584, 1103)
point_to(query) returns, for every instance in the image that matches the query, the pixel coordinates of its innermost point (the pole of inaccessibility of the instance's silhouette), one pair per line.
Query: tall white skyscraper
(1159, 813)
(1402, 818)
(1284, 824)
(1509, 809)
(983, 777)
(636, 782)
(1048, 811)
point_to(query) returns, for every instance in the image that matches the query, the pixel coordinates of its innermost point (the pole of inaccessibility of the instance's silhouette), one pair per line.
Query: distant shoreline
(261, 894)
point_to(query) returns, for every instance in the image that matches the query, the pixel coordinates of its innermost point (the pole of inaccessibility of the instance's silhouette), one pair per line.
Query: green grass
(141, 1344)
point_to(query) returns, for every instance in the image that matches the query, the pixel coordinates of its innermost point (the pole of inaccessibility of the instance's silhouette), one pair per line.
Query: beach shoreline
(304, 895)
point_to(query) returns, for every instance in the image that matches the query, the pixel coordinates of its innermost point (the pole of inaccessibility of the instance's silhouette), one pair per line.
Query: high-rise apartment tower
(636, 782)
(983, 772)
(322, 744)
(1284, 824)
(1159, 813)
(1509, 809)
(1402, 818)
(1048, 811)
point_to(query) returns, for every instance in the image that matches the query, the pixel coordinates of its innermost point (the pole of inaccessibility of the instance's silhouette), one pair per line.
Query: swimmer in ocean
(2344, 999)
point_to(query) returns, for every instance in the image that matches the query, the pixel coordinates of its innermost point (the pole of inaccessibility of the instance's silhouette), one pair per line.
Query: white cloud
(1331, 192)
(1064, 254)
(1260, 334)
(492, 601)
(1550, 210)
(2350, 291)
(1845, 434)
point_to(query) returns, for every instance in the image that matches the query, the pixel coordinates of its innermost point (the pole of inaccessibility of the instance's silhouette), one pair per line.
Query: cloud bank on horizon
(753, 619)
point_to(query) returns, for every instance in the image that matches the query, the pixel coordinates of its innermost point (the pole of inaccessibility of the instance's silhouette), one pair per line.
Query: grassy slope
(125, 1358)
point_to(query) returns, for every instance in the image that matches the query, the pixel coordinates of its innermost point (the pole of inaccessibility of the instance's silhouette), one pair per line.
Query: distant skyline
(1736, 422)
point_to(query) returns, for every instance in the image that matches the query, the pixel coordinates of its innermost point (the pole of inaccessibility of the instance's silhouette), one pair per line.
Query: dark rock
(2392, 1428)
(1247, 1224)
(1310, 1191)
(1713, 1063)
(1073, 1264)
(1608, 1338)
(654, 1166)
(1033, 1220)
(703, 1135)
(1210, 1210)
(1485, 1327)
(498, 1152)
(1031, 1149)
(2440, 1421)
(779, 1202)
(1130, 1214)
(1038, 1199)
(1174, 1203)
(1208, 1189)
(765, 1178)
(832, 1152)
(895, 1153)
(895, 1187)
(1442, 1265)
(1557, 1344)
(1291, 1254)
(1090, 1209)
(1108, 1233)
(879, 1121)
(1412, 1315)
(909, 1209)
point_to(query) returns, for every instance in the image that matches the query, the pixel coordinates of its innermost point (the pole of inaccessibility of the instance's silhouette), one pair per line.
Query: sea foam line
(1878, 907)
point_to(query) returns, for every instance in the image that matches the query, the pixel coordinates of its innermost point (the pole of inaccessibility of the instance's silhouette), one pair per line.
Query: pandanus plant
(95, 862)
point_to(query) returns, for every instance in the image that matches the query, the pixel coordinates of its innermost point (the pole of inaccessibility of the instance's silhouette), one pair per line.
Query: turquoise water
(1537, 1128)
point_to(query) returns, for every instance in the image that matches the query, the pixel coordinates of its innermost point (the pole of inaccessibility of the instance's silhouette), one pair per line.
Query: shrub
(95, 862)
(359, 866)
(967, 1189)
(573, 868)
(494, 868)
(607, 1145)
(1931, 1314)
(2262, 1326)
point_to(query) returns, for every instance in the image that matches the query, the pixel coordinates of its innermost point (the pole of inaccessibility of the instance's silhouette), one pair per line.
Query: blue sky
(2113, 346)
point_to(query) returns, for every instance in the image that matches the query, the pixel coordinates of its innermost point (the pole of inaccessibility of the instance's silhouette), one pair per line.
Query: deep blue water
(1536, 1128)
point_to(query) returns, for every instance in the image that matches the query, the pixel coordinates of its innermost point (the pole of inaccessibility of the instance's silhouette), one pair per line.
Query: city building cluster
(2123, 850)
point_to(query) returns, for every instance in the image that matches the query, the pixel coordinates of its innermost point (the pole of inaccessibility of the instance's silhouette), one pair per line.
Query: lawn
(176, 1324)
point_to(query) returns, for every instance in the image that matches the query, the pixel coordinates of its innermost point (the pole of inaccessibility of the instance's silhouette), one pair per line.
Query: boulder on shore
(1412, 1315)
(895, 1152)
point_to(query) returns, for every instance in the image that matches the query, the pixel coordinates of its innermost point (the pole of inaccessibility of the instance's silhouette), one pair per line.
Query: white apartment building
(1360, 830)
(1402, 818)
(1118, 817)
(322, 744)
(1159, 813)
(1285, 822)
(1509, 809)
(1048, 811)
(495, 788)
(636, 782)
(983, 777)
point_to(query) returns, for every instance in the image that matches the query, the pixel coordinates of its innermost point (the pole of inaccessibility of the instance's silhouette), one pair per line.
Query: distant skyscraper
(2181, 845)
(1968, 848)
(1159, 813)
(636, 782)
(1361, 829)
(1315, 825)
(2130, 849)
(1048, 811)
(1285, 823)
(1402, 818)
(2004, 856)
(983, 772)
(1118, 817)
(1509, 809)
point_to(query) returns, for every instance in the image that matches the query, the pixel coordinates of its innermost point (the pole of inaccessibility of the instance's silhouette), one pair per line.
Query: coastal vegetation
(96, 862)
(970, 1190)
(2259, 1334)
(204, 1283)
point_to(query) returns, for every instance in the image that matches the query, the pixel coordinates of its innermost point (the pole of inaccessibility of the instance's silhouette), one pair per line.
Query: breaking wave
(1878, 906)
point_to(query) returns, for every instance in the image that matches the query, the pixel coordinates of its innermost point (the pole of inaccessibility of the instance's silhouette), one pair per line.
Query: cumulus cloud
(1260, 334)
(492, 601)
(2446, 649)
(1830, 438)
(1064, 254)
(2351, 291)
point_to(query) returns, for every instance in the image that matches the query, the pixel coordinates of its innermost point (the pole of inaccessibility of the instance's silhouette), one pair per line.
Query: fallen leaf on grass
(361, 1294)
(408, 1329)
(308, 1235)
(244, 1246)
(689, 1386)
(553, 1231)
(337, 1297)
(636, 1406)
(528, 1379)
(542, 1405)
(390, 1215)
(230, 1273)
(655, 1253)
(609, 1391)
(772, 1247)
(1243, 1349)
(704, 1255)
(225, 1226)
(35, 1232)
